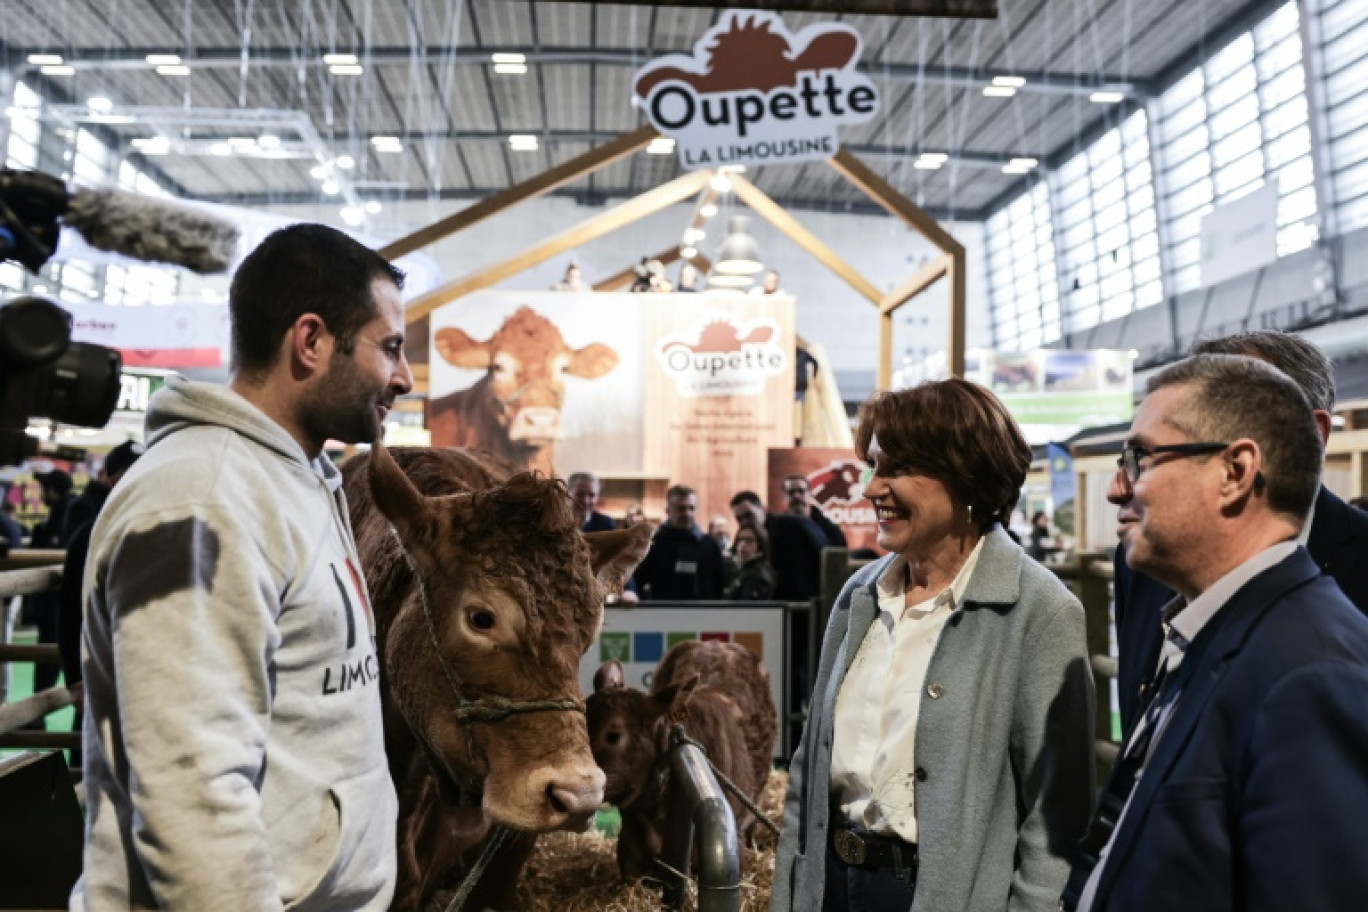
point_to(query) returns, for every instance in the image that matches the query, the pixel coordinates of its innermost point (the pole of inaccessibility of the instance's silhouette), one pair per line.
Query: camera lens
(81, 387)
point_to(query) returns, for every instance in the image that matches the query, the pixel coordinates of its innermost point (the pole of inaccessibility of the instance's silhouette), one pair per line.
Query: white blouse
(873, 751)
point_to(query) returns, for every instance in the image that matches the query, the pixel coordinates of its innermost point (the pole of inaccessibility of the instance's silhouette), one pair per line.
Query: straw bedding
(577, 872)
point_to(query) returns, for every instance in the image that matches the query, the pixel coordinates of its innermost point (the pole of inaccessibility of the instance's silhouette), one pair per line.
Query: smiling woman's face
(915, 511)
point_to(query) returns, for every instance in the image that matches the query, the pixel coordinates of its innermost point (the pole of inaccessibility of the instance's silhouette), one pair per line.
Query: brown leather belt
(867, 850)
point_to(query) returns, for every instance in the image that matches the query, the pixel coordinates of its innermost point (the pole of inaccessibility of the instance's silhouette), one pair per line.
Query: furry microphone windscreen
(154, 230)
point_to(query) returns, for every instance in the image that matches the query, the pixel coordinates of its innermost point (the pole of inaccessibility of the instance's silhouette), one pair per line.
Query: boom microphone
(141, 227)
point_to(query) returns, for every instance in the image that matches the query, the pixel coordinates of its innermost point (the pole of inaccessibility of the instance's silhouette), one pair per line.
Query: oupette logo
(720, 356)
(754, 93)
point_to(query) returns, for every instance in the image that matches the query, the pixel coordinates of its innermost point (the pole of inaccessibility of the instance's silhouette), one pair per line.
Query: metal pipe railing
(697, 805)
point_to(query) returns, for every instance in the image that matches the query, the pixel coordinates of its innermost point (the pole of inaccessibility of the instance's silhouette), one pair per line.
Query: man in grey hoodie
(233, 749)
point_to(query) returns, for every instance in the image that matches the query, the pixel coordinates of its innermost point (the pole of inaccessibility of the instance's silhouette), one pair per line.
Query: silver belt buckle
(850, 848)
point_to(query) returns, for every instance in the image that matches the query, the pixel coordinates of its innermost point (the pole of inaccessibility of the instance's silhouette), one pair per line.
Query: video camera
(43, 374)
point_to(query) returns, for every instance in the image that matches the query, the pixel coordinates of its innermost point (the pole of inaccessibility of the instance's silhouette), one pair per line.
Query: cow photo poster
(551, 380)
(834, 478)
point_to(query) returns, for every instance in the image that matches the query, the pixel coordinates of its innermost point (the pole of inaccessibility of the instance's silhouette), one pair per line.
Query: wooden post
(957, 316)
(880, 191)
(611, 220)
(542, 184)
(777, 216)
(885, 377)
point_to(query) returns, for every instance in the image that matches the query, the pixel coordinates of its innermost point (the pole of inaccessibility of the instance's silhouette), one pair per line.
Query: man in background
(798, 495)
(584, 495)
(683, 563)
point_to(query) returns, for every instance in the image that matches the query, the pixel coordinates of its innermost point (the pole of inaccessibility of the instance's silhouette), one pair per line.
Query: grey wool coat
(1003, 752)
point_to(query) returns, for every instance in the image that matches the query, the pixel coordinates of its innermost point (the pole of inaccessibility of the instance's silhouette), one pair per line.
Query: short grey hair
(1292, 354)
(581, 476)
(1239, 397)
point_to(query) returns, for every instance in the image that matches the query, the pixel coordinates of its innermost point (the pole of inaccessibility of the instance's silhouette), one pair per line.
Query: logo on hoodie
(366, 669)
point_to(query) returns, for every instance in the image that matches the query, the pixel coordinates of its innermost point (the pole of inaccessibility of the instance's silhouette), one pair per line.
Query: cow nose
(575, 796)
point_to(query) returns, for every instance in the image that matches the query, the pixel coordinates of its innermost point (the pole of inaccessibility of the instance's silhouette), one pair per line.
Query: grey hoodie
(234, 757)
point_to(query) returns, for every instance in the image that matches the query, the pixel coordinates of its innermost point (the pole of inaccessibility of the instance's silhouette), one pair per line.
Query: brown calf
(483, 590)
(720, 692)
(515, 408)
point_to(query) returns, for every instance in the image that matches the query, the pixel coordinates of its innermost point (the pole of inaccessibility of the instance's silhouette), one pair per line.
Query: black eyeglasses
(1129, 461)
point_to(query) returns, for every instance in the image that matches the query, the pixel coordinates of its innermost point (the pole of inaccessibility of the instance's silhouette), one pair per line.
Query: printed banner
(834, 480)
(754, 93)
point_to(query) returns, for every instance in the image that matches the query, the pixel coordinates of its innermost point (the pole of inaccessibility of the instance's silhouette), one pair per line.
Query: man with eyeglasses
(1335, 533)
(1244, 785)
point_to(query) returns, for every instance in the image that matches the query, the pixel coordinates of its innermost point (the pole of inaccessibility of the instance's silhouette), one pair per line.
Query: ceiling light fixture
(345, 162)
(163, 59)
(1107, 97)
(173, 70)
(45, 59)
(373, 207)
(57, 70)
(330, 188)
(688, 253)
(523, 142)
(740, 255)
(318, 172)
(508, 58)
(353, 215)
(707, 210)
(995, 91)
(732, 169)
(511, 69)
(1029, 164)
(220, 148)
(99, 103)
(346, 69)
(720, 184)
(661, 145)
(268, 141)
(340, 59)
(1009, 82)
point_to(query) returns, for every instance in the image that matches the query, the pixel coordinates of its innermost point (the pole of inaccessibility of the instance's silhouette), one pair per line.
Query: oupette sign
(754, 93)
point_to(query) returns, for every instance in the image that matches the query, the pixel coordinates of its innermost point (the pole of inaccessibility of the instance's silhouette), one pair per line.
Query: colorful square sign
(648, 647)
(720, 637)
(615, 646)
(753, 642)
(674, 638)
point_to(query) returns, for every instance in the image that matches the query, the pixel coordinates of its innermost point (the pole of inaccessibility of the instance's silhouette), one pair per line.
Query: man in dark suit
(584, 492)
(1337, 535)
(1244, 786)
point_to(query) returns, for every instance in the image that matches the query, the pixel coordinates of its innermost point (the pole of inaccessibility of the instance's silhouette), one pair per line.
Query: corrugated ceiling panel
(519, 102)
(622, 26)
(440, 26)
(562, 24)
(678, 29)
(503, 23)
(486, 163)
(613, 101)
(567, 96)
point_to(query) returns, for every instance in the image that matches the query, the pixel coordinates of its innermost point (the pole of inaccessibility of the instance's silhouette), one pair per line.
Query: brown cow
(486, 593)
(720, 692)
(514, 410)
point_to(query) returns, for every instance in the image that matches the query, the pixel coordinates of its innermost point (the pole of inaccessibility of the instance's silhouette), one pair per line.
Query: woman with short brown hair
(946, 765)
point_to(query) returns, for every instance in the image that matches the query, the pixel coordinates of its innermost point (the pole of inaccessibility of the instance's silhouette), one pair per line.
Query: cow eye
(481, 619)
(614, 738)
(496, 368)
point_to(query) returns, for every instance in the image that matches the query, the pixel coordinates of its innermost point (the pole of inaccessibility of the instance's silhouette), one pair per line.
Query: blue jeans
(852, 889)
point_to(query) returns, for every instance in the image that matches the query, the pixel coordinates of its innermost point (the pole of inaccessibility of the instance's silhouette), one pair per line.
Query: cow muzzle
(561, 797)
(535, 423)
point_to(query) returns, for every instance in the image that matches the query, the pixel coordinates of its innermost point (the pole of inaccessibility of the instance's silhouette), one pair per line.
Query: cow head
(509, 597)
(629, 730)
(526, 361)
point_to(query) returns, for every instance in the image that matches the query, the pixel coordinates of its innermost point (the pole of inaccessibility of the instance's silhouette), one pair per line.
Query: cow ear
(609, 677)
(614, 555)
(396, 497)
(459, 350)
(592, 361)
(675, 696)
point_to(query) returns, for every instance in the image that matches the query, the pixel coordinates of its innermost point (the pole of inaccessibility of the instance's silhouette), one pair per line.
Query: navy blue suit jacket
(1338, 543)
(598, 522)
(1256, 794)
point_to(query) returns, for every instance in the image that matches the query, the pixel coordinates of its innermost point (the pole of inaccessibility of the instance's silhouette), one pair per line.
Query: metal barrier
(698, 806)
(29, 573)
